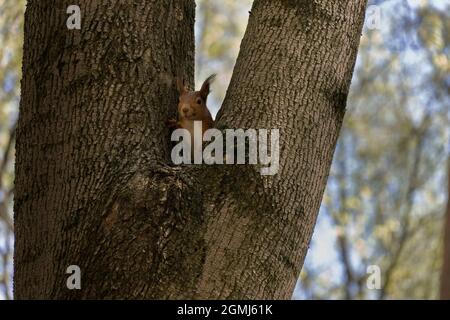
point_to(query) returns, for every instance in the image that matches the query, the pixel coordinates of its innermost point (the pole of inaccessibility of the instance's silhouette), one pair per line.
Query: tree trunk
(445, 272)
(94, 183)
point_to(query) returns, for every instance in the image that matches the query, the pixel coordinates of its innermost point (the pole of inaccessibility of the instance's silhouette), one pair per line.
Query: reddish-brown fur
(192, 107)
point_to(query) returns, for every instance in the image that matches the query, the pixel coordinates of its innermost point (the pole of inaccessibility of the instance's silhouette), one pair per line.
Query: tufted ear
(181, 86)
(205, 89)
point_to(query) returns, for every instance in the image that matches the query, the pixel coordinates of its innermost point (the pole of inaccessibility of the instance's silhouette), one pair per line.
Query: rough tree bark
(94, 183)
(445, 272)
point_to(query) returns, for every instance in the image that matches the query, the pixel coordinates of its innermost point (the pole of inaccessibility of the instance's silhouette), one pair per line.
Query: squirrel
(192, 107)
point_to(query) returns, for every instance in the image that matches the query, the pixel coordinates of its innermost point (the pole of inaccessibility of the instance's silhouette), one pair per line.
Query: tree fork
(94, 184)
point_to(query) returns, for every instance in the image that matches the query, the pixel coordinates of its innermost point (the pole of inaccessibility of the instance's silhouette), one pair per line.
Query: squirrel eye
(199, 101)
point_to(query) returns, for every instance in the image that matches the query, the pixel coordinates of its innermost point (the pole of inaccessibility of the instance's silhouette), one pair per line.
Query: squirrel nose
(185, 110)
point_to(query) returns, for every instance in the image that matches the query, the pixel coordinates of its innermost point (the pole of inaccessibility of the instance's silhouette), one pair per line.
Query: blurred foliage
(384, 200)
(11, 39)
(220, 26)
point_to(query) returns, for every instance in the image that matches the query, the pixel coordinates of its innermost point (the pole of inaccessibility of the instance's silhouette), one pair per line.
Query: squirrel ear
(180, 86)
(205, 89)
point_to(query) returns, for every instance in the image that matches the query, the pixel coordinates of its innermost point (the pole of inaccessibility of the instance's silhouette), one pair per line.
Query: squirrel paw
(172, 123)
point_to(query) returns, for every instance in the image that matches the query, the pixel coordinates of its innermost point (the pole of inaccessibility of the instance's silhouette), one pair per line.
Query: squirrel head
(192, 104)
